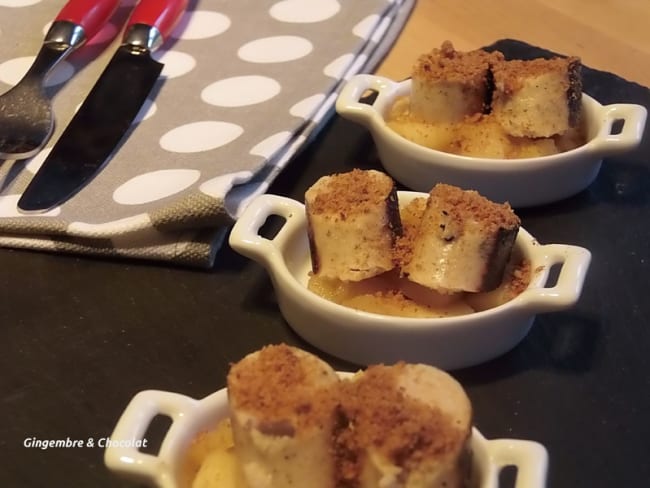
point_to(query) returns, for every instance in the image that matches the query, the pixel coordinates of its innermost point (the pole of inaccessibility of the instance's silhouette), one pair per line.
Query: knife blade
(95, 131)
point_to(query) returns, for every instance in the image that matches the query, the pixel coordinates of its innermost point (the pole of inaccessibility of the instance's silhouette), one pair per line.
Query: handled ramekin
(191, 417)
(522, 182)
(367, 338)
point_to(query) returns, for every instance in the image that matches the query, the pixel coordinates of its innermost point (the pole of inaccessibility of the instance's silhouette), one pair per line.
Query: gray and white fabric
(244, 86)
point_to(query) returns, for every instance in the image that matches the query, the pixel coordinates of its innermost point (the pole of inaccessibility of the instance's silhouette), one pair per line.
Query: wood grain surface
(610, 35)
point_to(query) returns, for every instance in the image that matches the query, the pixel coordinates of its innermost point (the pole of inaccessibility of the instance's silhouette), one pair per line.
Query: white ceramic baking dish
(190, 417)
(368, 338)
(521, 182)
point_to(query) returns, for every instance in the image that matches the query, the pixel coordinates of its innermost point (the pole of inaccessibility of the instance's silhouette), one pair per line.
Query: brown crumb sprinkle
(356, 191)
(302, 379)
(509, 75)
(461, 205)
(374, 412)
(411, 216)
(519, 279)
(447, 64)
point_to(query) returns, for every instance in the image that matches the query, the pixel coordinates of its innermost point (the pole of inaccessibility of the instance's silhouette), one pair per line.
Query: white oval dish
(368, 338)
(190, 417)
(522, 182)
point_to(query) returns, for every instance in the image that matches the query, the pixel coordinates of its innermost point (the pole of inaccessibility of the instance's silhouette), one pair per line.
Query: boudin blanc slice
(297, 424)
(448, 85)
(403, 426)
(281, 418)
(463, 242)
(353, 221)
(537, 98)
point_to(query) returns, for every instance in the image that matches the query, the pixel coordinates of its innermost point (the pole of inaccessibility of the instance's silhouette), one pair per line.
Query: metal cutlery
(26, 120)
(108, 111)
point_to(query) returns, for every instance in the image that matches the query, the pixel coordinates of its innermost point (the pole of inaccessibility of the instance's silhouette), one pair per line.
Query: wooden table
(610, 35)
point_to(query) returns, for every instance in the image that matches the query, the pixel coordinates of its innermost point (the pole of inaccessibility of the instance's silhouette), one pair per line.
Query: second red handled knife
(108, 111)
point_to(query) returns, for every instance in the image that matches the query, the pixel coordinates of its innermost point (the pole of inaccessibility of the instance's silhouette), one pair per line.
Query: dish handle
(529, 457)
(574, 261)
(633, 118)
(246, 239)
(126, 459)
(348, 104)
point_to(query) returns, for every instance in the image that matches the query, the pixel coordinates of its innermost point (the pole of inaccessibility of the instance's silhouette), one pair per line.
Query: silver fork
(26, 120)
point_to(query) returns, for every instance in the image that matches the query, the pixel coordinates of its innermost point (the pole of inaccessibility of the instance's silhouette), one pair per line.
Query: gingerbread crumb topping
(254, 384)
(356, 191)
(509, 76)
(447, 64)
(375, 412)
(462, 205)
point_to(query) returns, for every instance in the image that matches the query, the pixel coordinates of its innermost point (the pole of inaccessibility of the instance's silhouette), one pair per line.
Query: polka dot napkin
(244, 85)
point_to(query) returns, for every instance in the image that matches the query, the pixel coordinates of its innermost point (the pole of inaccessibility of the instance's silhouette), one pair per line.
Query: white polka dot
(147, 110)
(202, 24)
(37, 161)
(13, 70)
(155, 186)
(305, 108)
(275, 49)
(9, 208)
(218, 187)
(200, 136)
(109, 229)
(240, 91)
(18, 3)
(338, 67)
(364, 28)
(175, 63)
(271, 144)
(299, 11)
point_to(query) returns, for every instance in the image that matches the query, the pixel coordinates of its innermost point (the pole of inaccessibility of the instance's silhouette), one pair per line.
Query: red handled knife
(108, 111)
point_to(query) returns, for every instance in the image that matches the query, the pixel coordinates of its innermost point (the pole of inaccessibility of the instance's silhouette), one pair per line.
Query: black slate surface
(79, 337)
